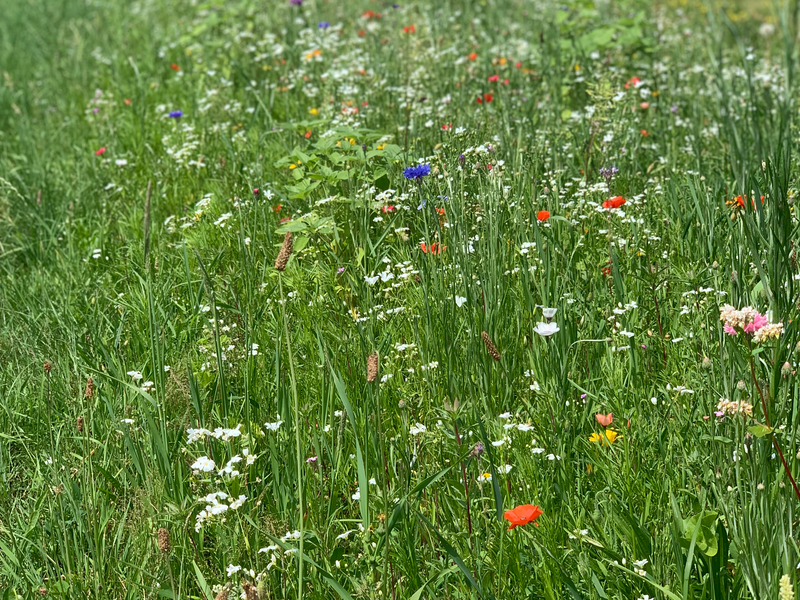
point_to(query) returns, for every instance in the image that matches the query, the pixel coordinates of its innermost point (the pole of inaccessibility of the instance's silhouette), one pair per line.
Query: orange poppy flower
(410, 29)
(174, 67)
(522, 515)
(740, 202)
(614, 202)
(543, 215)
(473, 56)
(434, 248)
(604, 420)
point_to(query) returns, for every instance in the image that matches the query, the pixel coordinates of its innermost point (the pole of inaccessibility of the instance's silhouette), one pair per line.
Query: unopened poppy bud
(741, 386)
(707, 364)
(786, 369)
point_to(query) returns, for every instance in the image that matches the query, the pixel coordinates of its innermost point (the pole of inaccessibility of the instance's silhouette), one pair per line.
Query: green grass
(139, 299)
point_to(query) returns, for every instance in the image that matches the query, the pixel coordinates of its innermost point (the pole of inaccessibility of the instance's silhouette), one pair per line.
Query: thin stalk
(296, 404)
(774, 438)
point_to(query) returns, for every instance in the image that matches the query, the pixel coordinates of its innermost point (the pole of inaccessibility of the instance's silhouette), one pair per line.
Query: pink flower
(757, 323)
(728, 329)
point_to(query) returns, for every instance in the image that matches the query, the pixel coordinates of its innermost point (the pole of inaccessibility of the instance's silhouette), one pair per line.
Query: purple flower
(311, 459)
(608, 172)
(340, 270)
(296, 2)
(417, 172)
(176, 114)
(323, 25)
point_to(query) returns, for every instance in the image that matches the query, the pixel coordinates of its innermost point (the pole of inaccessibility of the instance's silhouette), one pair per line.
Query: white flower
(371, 280)
(549, 313)
(538, 450)
(485, 477)
(345, 535)
(135, 375)
(273, 426)
(505, 415)
(127, 421)
(553, 457)
(525, 427)
(498, 443)
(546, 329)
(203, 464)
(417, 429)
(460, 301)
(640, 563)
(238, 502)
(233, 569)
(357, 495)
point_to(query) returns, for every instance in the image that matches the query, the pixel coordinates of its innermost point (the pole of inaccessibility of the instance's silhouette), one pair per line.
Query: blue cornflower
(324, 25)
(417, 172)
(176, 114)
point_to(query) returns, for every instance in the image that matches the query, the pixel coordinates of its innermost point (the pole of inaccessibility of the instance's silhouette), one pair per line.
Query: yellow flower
(313, 111)
(292, 166)
(608, 438)
(382, 146)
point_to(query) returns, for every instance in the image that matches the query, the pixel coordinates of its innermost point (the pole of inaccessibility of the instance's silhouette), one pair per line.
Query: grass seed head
(164, 543)
(490, 347)
(285, 253)
(372, 367)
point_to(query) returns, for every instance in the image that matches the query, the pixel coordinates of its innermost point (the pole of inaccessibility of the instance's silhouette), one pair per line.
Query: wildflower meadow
(327, 299)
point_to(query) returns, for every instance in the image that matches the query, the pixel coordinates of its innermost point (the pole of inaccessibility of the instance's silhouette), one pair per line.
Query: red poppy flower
(362, 33)
(604, 420)
(632, 82)
(614, 202)
(388, 208)
(522, 515)
(493, 78)
(127, 101)
(543, 215)
(277, 208)
(473, 56)
(409, 29)
(174, 67)
(308, 134)
(100, 151)
(518, 65)
(488, 97)
(447, 126)
(434, 248)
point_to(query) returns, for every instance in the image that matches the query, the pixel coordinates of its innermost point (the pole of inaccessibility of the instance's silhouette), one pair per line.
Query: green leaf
(759, 431)
(363, 486)
(201, 582)
(704, 525)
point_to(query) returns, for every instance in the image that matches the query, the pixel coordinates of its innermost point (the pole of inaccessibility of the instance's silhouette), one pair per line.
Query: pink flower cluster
(751, 322)
(726, 407)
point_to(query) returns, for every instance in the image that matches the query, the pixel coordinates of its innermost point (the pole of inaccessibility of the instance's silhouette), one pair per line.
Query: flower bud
(786, 370)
